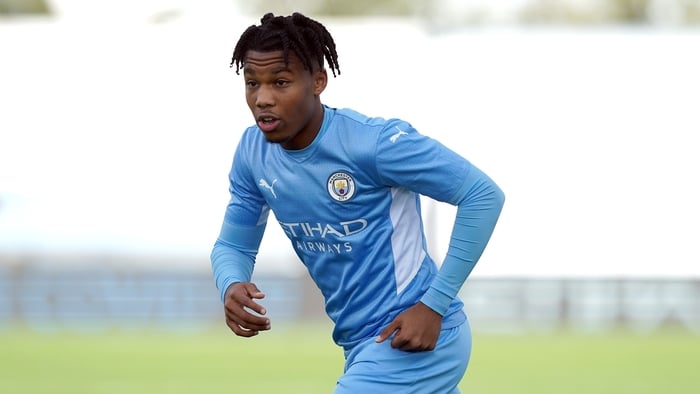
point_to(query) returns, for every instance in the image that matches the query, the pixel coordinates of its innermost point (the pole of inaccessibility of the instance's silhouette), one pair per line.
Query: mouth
(268, 123)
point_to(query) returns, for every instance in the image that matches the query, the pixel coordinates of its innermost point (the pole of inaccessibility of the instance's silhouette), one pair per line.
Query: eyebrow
(278, 70)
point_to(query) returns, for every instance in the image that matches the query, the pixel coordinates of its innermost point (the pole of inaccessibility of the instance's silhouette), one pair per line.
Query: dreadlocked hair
(307, 38)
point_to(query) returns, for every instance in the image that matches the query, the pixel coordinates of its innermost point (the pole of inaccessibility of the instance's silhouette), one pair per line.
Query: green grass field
(303, 360)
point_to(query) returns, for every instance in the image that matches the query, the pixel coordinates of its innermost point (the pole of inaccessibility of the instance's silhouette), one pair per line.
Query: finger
(240, 331)
(411, 344)
(247, 296)
(386, 333)
(253, 291)
(399, 342)
(254, 306)
(245, 319)
(257, 294)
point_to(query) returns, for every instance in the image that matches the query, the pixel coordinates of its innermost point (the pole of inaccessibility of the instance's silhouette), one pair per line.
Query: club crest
(341, 186)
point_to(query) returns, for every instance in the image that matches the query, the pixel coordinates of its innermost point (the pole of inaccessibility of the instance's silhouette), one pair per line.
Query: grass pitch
(304, 360)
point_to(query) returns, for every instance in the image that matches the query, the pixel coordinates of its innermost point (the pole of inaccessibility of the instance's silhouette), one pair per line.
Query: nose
(264, 97)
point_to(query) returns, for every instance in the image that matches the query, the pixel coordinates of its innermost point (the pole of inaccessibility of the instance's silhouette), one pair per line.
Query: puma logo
(270, 187)
(396, 136)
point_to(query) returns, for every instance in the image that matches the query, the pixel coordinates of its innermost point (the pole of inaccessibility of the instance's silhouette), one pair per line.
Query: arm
(233, 255)
(479, 203)
(232, 260)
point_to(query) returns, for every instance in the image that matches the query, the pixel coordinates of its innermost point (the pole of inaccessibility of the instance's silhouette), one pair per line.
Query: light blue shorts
(375, 368)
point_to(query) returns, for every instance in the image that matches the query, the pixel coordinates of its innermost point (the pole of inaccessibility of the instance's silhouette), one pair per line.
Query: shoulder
(352, 121)
(252, 140)
(250, 149)
(251, 133)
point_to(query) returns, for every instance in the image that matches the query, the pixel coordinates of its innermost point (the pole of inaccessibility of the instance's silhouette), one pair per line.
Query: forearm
(478, 210)
(229, 266)
(233, 255)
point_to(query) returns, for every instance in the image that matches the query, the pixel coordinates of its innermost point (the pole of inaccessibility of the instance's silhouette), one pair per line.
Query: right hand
(238, 302)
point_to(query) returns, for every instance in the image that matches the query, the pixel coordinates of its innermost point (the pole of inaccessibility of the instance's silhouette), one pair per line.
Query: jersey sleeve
(479, 204)
(408, 159)
(234, 252)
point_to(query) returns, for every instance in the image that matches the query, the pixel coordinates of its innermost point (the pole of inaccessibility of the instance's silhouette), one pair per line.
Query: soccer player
(345, 188)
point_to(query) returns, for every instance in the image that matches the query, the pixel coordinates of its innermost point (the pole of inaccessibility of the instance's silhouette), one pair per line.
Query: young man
(346, 190)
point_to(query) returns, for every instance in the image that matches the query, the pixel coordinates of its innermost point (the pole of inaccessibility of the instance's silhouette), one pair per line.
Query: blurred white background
(119, 121)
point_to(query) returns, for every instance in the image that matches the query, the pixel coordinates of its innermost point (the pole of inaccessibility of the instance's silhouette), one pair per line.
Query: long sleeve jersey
(350, 205)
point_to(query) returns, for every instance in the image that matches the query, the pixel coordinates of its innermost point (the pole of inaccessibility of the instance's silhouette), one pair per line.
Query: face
(284, 98)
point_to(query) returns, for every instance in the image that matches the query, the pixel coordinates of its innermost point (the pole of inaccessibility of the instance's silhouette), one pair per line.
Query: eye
(282, 83)
(251, 83)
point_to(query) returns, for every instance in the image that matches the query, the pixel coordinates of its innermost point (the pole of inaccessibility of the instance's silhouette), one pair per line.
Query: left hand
(417, 329)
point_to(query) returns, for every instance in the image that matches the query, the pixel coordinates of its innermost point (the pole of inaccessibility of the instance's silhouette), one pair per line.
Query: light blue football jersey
(349, 203)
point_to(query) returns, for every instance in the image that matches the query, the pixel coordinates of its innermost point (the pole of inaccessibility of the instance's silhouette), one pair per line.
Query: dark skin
(285, 100)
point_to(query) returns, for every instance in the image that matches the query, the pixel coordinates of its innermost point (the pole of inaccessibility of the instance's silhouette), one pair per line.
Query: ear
(320, 78)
